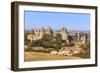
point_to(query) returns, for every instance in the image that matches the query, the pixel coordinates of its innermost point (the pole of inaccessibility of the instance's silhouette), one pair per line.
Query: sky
(56, 20)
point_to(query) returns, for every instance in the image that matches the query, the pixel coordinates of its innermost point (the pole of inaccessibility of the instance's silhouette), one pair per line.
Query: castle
(76, 37)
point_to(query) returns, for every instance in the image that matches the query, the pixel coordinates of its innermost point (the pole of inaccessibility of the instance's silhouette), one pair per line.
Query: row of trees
(49, 41)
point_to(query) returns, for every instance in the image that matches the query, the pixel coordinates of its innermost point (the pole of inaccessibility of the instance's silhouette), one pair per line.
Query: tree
(46, 37)
(46, 45)
(37, 43)
(49, 42)
(86, 48)
(57, 44)
(43, 43)
(29, 44)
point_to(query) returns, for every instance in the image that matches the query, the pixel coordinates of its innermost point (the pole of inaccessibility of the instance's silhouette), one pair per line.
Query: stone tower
(84, 39)
(42, 32)
(64, 34)
(49, 31)
(78, 36)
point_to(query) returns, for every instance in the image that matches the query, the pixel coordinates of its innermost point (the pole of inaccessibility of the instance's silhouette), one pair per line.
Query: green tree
(29, 44)
(57, 44)
(49, 41)
(86, 48)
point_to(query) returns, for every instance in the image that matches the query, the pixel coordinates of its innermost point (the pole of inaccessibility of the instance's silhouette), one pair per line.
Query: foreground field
(37, 56)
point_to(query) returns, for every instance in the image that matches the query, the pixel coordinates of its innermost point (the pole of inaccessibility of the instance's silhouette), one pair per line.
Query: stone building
(84, 38)
(66, 35)
(78, 38)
